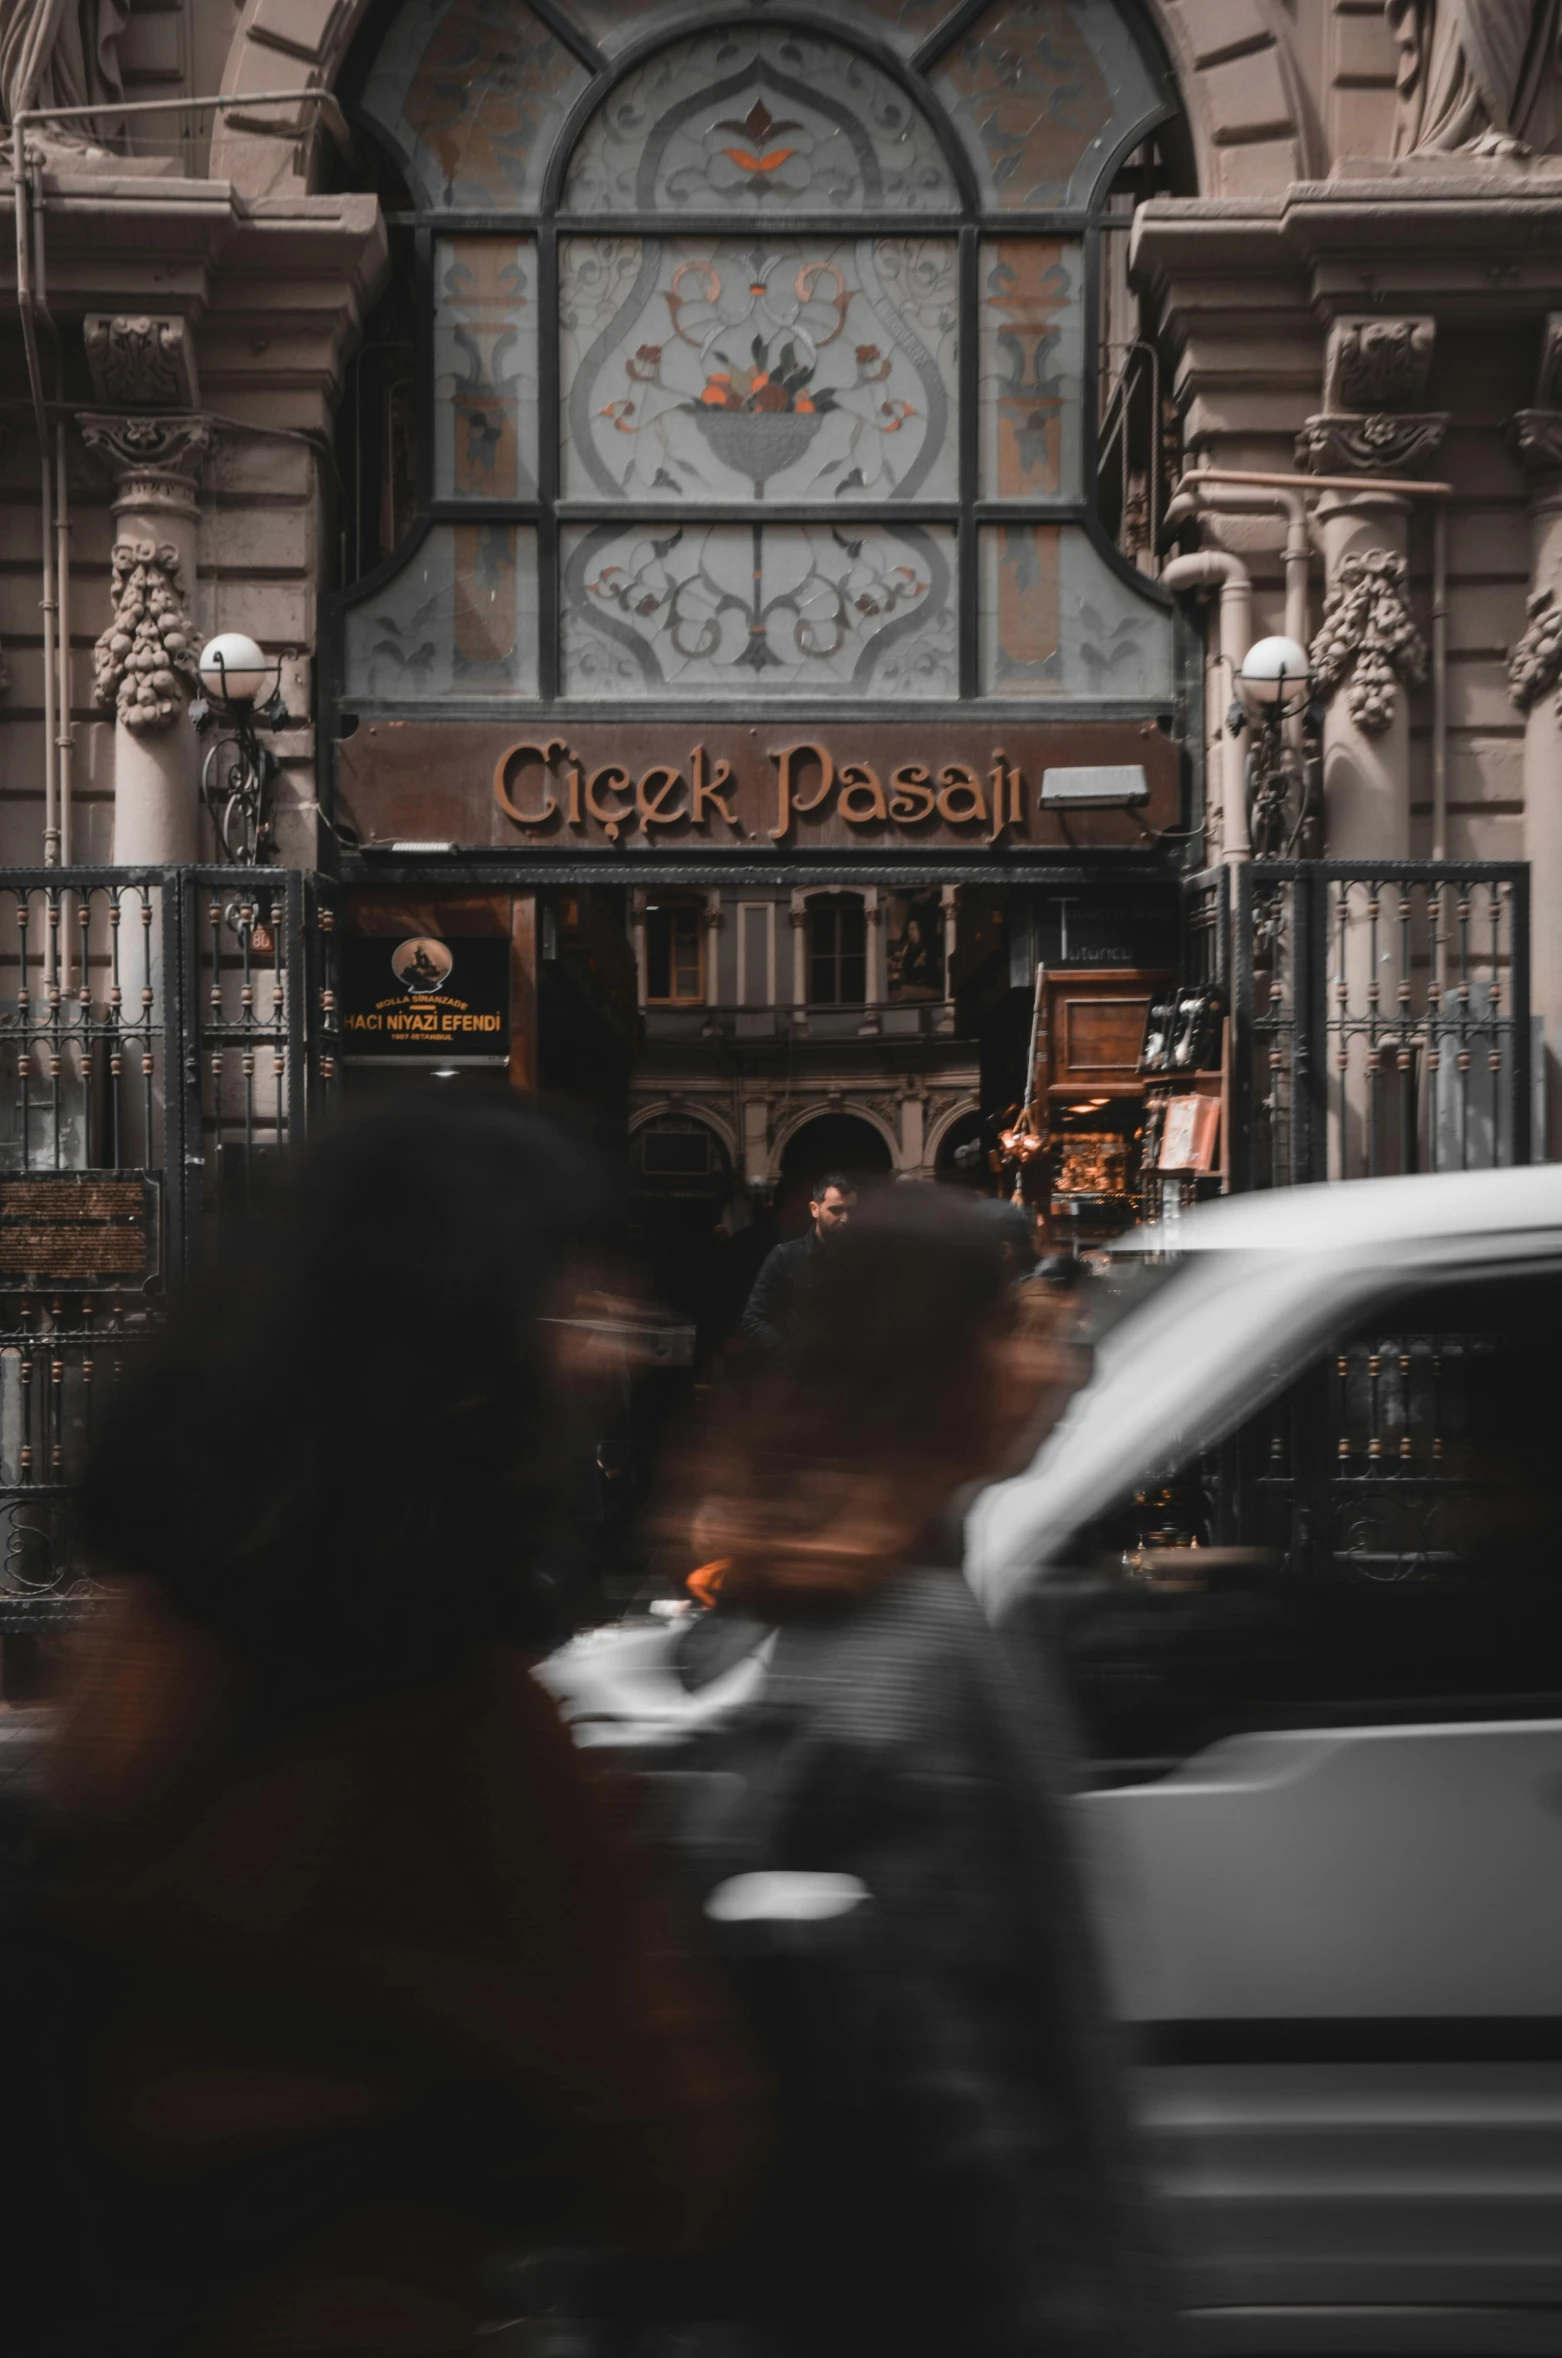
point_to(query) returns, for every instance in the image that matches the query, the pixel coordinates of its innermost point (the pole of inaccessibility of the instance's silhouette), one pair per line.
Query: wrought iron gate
(164, 1034)
(1380, 1013)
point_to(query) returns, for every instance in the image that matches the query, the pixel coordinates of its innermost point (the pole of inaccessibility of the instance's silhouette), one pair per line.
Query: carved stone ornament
(148, 655)
(1378, 363)
(155, 459)
(1384, 445)
(1535, 666)
(1536, 435)
(141, 359)
(1368, 638)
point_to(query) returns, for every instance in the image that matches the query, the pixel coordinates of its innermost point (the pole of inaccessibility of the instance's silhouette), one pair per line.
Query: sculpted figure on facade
(146, 659)
(60, 53)
(1477, 77)
(1368, 638)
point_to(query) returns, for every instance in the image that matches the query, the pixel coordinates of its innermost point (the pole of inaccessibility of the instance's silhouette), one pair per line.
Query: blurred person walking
(357, 1973)
(890, 1828)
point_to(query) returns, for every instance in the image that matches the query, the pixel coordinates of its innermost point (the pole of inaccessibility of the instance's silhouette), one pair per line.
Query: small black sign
(421, 999)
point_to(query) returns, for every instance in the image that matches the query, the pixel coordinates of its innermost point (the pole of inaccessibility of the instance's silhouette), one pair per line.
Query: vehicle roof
(1339, 1214)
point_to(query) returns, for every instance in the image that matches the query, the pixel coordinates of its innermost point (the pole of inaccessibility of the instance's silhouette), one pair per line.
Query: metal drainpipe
(1213, 478)
(47, 606)
(1218, 569)
(62, 548)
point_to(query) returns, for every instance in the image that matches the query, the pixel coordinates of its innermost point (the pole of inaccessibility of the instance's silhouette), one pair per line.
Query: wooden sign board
(778, 786)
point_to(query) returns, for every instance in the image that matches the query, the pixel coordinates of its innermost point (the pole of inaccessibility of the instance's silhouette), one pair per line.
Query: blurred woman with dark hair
(956, 2170)
(370, 1982)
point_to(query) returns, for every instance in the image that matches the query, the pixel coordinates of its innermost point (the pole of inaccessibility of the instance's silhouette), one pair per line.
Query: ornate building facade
(762, 510)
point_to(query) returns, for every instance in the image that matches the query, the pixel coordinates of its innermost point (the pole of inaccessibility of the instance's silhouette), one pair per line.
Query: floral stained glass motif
(1056, 620)
(1032, 346)
(759, 121)
(485, 368)
(472, 94)
(785, 369)
(1042, 93)
(904, 23)
(760, 609)
(458, 620)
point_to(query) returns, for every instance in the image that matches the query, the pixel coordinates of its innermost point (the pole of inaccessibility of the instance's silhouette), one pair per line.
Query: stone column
(798, 915)
(1365, 656)
(1368, 650)
(146, 660)
(710, 963)
(1534, 677)
(877, 982)
(950, 899)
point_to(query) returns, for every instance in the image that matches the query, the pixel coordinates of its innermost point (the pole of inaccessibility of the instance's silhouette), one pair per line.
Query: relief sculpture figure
(60, 53)
(1477, 77)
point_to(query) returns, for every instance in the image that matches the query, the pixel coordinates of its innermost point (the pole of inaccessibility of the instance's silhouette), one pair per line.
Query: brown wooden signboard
(773, 786)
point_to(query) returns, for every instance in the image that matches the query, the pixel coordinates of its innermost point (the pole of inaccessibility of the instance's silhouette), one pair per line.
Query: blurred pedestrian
(956, 2171)
(366, 1980)
(788, 1270)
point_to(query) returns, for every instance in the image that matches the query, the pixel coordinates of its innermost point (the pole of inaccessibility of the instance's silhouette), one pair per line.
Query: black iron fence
(164, 1034)
(1380, 1015)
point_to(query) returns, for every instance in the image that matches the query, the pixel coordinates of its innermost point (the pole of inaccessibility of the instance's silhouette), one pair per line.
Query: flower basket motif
(758, 444)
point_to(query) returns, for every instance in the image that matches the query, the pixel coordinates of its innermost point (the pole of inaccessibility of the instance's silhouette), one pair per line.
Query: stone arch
(813, 1113)
(644, 1115)
(960, 1111)
(1241, 94)
(1230, 60)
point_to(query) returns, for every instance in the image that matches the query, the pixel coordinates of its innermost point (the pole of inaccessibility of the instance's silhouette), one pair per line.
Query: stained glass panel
(459, 619)
(1042, 92)
(756, 610)
(485, 368)
(1056, 620)
(906, 24)
(699, 369)
(758, 122)
(1032, 347)
(472, 95)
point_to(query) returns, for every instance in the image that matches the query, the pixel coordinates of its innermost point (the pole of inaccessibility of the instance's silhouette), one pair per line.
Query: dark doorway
(831, 1142)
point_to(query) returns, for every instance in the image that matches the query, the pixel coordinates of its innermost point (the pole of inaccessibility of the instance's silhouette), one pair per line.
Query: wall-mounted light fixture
(242, 692)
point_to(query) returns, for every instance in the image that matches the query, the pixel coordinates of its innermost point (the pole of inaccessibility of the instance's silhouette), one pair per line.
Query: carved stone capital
(1368, 640)
(1386, 444)
(1536, 436)
(146, 663)
(1374, 363)
(141, 358)
(1535, 665)
(155, 459)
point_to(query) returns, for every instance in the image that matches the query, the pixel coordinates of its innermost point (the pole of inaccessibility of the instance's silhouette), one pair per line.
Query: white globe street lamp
(1275, 677)
(242, 692)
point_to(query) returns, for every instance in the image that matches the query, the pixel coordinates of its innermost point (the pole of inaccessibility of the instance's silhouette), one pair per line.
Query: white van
(1299, 1545)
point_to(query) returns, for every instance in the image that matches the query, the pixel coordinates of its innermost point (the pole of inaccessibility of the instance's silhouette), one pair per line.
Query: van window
(1382, 1541)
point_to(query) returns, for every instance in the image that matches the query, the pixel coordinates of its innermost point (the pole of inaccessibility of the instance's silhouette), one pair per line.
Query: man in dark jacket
(787, 1268)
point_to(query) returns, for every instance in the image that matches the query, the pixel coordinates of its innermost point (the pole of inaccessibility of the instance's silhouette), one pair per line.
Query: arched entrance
(964, 1131)
(840, 1142)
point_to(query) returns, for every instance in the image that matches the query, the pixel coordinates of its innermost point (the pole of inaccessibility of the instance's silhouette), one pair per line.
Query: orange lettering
(911, 795)
(960, 797)
(786, 804)
(862, 797)
(607, 818)
(517, 756)
(651, 796)
(711, 790)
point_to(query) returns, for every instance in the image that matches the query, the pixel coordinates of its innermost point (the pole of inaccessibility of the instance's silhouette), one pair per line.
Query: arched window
(759, 356)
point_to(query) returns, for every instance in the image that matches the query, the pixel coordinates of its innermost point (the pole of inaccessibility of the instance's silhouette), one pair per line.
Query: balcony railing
(870, 1020)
